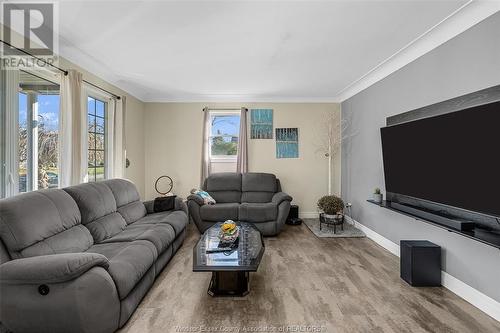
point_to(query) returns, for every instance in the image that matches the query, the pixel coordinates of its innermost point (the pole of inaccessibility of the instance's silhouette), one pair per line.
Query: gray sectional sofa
(80, 259)
(247, 197)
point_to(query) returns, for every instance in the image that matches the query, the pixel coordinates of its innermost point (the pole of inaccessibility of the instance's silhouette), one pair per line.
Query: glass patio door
(38, 132)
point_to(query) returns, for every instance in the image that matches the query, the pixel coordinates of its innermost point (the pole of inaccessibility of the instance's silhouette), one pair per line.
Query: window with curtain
(224, 134)
(97, 141)
(35, 131)
(38, 133)
(3, 152)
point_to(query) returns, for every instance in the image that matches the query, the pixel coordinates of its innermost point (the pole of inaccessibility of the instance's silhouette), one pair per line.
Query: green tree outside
(221, 147)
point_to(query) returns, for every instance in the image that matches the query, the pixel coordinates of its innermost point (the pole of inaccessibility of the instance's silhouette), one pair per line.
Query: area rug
(350, 231)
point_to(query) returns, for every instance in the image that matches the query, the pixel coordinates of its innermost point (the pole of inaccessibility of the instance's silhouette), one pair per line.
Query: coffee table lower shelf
(229, 283)
(230, 269)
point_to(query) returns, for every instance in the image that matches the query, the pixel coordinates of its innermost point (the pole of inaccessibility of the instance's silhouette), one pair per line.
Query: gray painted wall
(466, 63)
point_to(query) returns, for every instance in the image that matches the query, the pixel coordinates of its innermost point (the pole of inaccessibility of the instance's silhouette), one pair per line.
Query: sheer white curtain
(9, 89)
(116, 136)
(205, 151)
(242, 157)
(72, 137)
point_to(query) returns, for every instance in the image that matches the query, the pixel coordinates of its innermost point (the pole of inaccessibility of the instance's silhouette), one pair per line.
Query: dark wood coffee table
(230, 269)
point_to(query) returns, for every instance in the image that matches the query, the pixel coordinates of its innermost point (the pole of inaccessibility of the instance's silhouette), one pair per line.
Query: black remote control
(219, 249)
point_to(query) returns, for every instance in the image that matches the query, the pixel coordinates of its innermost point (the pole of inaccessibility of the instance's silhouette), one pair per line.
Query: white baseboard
(481, 301)
(377, 238)
(308, 215)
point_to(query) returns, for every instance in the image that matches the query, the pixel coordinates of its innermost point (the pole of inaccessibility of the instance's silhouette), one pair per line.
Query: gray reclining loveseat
(248, 197)
(81, 259)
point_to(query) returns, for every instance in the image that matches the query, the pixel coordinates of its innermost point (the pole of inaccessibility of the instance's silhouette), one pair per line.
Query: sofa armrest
(196, 198)
(149, 206)
(181, 205)
(53, 268)
(178, 205)
(59, 293)
(279, 197)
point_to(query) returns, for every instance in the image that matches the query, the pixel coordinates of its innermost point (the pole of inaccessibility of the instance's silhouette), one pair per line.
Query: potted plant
(331, 205)
(331, 211)
(377, 196)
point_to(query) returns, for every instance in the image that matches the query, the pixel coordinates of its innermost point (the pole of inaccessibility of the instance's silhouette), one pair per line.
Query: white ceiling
(241, 50)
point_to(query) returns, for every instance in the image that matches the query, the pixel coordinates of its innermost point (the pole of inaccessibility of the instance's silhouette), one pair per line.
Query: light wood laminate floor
(328, 284)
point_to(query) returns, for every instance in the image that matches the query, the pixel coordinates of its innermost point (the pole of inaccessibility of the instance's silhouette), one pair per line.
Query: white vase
(378, 197)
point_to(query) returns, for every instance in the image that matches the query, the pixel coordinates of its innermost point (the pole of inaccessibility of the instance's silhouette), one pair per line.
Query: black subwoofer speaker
(293, 216)
(420, 263)
(294, 212)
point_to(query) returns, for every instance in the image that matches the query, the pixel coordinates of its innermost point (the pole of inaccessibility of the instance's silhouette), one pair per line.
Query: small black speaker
(420, 263)
(293, 216)
(294, 212)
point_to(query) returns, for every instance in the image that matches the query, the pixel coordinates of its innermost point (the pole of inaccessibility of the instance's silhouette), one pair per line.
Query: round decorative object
(164, 184)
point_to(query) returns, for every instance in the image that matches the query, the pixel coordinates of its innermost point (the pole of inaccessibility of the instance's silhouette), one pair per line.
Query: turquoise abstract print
(287, 142)
(261, 124)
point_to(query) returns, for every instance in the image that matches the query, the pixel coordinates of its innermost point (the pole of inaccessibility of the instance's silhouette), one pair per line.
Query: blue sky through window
(22, 109)
(225, 125)
(48, 110)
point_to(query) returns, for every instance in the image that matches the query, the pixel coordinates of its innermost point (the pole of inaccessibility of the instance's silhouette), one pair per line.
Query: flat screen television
(451, 159)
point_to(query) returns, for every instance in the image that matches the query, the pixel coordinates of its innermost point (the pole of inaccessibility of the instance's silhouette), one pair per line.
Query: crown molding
(460, 20)
(239, 99)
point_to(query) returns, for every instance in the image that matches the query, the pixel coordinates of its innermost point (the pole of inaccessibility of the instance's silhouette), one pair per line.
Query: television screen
(452, 159)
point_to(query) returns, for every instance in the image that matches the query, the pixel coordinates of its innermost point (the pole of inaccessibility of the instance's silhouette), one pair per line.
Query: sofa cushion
(132, 212)
(258, 212)
(223, 181)
(128, 262)
(40, 223)
(226, 196)
(219, 212)
(224, 187)
(258, 182)
(162, 235)
(74, 239)
(176, 219)
(106, 227)
(256, 197)
(98, 209)
(94, 200)
(123, 190)
(258, 187)
(127, 199)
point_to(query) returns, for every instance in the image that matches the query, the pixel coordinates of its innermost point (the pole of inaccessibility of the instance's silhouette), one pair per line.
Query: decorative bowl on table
(229, 232)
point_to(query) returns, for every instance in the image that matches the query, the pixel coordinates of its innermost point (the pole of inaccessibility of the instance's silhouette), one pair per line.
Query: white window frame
(9, 124)
(221, 158)
(32, 127)
(98, 94)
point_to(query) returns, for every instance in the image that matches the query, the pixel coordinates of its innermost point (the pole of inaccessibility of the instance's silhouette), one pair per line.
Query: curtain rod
(106, 91)
(65, 72)
(223, 109)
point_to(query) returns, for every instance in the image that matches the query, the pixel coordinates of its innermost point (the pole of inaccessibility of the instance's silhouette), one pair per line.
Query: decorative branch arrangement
(330, 134)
